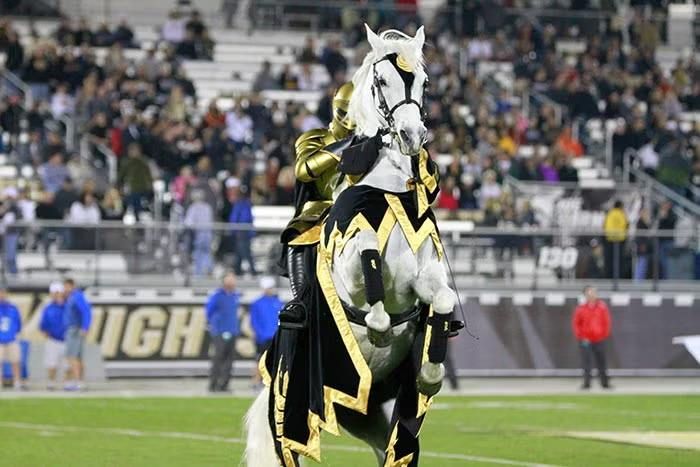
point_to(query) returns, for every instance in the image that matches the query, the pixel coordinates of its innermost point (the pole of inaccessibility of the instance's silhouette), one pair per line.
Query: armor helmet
(341, 126)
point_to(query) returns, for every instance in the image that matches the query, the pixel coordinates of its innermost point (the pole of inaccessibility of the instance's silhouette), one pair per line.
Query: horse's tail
(260, 448)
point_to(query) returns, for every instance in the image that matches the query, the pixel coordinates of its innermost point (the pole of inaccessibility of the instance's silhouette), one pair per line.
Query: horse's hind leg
(372, 428)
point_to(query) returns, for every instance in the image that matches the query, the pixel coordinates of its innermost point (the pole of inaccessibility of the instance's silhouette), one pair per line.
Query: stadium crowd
(217, 163)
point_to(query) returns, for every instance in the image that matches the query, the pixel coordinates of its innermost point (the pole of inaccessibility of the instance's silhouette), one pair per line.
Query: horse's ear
(374, 41)
(419, 38)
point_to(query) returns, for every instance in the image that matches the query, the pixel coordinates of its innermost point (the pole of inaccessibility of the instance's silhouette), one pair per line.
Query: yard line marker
(222, 439)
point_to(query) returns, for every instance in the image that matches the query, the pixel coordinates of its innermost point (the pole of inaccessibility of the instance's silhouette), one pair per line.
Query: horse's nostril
(404, 136)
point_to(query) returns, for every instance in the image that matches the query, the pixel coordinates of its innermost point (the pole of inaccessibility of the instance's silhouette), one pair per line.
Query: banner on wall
(168, 335)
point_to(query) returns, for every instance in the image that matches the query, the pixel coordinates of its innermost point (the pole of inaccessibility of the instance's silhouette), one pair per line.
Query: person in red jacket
(592, 328)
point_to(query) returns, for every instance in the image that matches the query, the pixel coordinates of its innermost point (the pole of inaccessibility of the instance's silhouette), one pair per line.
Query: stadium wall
(163, 333)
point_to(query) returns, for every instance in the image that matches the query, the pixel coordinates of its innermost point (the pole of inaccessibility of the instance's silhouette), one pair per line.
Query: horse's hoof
(428, 389)
(379, 338)
(430, 378)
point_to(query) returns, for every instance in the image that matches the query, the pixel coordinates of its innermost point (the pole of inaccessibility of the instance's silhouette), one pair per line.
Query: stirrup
(293, 316)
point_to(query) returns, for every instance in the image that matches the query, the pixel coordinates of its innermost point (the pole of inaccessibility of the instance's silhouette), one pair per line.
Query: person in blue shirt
(10, 326)
(54, 329)
(76, 319)
(242, 215)
(222, 322)
(264, 317)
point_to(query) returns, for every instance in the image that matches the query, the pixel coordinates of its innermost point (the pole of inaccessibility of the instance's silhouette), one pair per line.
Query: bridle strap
(408, 79)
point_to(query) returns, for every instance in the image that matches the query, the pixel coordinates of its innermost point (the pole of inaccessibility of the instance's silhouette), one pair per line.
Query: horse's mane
(361, 109)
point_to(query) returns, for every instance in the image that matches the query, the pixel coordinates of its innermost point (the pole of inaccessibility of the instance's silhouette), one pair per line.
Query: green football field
(575, 430)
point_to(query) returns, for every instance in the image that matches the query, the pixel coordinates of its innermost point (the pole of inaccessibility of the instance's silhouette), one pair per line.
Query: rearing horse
(380, 327)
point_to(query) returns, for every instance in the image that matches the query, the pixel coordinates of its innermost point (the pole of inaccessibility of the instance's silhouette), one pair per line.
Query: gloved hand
(360, 155)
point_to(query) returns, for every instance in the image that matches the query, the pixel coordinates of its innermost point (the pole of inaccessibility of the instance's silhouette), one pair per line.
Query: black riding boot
(293, 315)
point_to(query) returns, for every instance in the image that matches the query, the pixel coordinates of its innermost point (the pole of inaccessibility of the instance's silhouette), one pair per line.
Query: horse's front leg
(431, 286)
(368, 271)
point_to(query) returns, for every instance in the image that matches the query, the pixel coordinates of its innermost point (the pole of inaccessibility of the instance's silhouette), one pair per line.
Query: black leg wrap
(437, 350)
(372, 270)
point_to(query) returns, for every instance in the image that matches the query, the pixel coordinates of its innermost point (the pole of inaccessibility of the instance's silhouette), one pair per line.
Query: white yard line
(45, 430)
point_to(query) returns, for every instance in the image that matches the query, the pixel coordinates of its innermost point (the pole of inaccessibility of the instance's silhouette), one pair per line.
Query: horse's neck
(391, 172)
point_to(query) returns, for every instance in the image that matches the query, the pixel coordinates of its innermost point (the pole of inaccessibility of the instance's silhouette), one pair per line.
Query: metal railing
(170, 254)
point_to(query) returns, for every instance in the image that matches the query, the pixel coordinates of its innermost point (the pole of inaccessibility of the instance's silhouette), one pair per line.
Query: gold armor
(316, 165)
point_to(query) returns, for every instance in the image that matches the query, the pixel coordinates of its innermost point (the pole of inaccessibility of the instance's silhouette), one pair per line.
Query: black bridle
(377, 93)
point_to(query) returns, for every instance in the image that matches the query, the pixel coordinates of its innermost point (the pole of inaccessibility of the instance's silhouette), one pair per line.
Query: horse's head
(389, 89)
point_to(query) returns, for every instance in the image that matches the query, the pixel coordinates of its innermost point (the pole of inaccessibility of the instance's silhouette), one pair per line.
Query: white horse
(412, 269)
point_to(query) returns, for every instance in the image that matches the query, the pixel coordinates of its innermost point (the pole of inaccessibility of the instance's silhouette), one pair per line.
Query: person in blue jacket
(264, 317)
(54, 329)
(76, 319)
(10, 326)
(222, 322)
(242, 216)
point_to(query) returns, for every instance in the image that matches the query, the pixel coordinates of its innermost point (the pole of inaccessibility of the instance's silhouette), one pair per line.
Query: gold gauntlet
(312, 159)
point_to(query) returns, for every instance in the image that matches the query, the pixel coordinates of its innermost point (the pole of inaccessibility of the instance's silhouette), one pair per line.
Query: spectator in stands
(674, 167)
(9, 214)
(307, 79)
(37, 73)
(83, 35)
(308, 52)
(490, 189)
(287, 79)
(62, 102)
(666, 225)
(592, 326)
(112, 206)
(103, 36)
(76, 320)
(124, 35)
(187, 47)
(239, 127)
(333, 59)
(615, 227)
(644, 245)
(176, 109)
(567, 172)
(264, 316)
(10, 327)
(198, 219)
(214, 118)
(53, 173)
(173, 30)
(14, 52)
(447, 199)
(242, 216)
(53, 328)
(84, 211)
(223, 326)
(264, 78)
(136, 179)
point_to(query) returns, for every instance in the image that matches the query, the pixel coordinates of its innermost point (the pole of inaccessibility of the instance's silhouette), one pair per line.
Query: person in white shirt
(489, 188)
(239, 127)
(198, 218)
(62, 103)
(84, 211)
(173, 29)
(307, 79)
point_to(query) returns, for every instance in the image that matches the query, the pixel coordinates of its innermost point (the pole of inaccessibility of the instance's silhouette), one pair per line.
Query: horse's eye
(381, 81)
